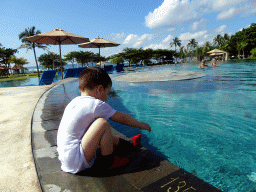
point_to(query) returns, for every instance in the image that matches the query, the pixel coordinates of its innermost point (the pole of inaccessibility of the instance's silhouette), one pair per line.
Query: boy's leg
(98, 134)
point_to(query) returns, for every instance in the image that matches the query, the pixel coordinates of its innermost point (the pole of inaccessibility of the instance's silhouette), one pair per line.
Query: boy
(84, 126)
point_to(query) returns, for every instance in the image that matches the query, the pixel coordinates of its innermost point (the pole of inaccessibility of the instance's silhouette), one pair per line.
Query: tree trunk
(38, 74)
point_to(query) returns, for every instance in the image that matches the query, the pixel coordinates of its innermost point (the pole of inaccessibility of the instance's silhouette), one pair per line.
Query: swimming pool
(24, 82)
(206, 125)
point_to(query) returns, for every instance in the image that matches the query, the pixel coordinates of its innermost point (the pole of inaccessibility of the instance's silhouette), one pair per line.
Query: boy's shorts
(85, 164)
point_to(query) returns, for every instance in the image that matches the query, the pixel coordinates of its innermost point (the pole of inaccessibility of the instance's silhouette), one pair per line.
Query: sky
(134, 23)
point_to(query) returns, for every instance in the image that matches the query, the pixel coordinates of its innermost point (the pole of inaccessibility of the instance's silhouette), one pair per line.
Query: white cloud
(131, 39)
(175, 12)
(198, 25)
(195, 25)
(189, 36)
(171, 29)
(138, 41)
(165, 44)
(157, 46)
(220, 29)
(167, 40)
(117, 35)
(224, 4)
(226, 14)
(171, 13)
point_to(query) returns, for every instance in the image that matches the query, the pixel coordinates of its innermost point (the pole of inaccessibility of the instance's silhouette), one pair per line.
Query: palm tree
(192, 43)
(175, 42)
(218, 40)
(226, 37)
(18, 62)
(206, 47)
(182, 52)
(30, 45)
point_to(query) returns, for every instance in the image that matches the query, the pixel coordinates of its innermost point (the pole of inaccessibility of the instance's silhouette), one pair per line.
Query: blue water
(27, 82)
(206, 126)
(35, 81)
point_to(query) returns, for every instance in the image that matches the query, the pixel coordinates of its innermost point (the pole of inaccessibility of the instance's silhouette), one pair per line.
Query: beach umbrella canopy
(213, 54)
(98, 42)
(216, 51)
(101, 63)
(58, 37)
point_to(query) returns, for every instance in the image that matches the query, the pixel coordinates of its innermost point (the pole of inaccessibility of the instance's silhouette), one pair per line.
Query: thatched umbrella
(215, 52)
(98, 42)
(101, 63)
(58, 37)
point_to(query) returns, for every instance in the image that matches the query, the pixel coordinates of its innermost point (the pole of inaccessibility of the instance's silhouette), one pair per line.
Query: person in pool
(203, 65)
(214, 64)
(84, 127)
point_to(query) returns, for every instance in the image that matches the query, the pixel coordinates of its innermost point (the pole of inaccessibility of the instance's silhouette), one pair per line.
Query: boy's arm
(126, 119)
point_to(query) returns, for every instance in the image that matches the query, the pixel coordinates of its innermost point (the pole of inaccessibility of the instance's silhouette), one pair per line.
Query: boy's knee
(102, 122)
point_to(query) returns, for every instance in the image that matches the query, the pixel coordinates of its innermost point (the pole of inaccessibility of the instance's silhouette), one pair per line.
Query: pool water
(24, 82)
(206, 126)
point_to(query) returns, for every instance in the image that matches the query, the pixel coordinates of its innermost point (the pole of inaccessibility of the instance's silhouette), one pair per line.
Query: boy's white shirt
(78, 116)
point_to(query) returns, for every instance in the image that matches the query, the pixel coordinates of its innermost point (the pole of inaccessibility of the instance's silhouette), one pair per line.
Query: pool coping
(146, 170)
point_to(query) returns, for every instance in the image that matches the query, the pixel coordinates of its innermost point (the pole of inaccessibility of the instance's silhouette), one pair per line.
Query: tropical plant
(218, 41)
(226, 37)
(182, 52)
(71, 57)
(30, 45)
(5, 55)
(83, 57)
(199, 52)
(50, 60)
(175, 42)
(117, 60)
(206, 47)
(192, 43)
(253, 53)
(18, 61)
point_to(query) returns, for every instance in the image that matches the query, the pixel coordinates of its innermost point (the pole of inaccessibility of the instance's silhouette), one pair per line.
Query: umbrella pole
(99, 57)
(60, 62)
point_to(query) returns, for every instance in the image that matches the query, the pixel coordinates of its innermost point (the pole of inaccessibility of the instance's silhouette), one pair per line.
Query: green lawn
(20, 76)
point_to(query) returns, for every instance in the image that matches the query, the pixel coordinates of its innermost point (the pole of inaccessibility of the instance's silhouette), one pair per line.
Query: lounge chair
(79, 70)
(73, 72)
(108, 68)
(47, 77)
(119, 67)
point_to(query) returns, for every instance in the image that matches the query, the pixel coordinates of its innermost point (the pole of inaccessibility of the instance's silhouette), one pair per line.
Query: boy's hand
(145, 126)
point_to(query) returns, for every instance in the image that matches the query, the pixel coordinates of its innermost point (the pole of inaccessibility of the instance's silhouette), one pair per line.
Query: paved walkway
(17, 167)
(16, 162)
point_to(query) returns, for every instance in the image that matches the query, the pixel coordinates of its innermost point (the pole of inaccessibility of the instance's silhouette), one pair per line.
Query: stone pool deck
(30, 116)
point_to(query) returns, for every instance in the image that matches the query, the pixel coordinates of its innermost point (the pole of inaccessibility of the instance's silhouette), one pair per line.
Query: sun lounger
(47, 77)
(119, 67)
(73, 72)
(108, 68)
(79, 70)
